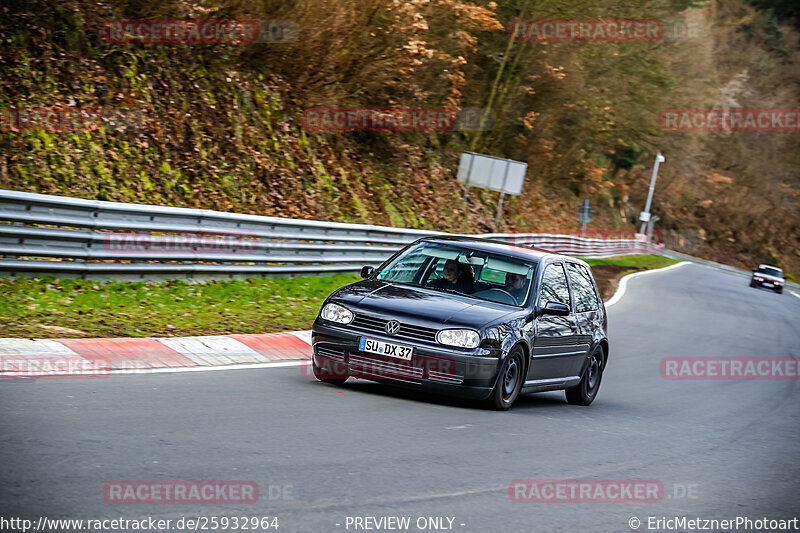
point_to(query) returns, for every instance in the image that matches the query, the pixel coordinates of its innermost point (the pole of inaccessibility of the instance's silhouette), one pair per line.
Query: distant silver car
(769, 277)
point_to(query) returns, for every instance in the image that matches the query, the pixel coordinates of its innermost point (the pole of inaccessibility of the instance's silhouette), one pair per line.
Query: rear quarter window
(554, 285)
(582, 288)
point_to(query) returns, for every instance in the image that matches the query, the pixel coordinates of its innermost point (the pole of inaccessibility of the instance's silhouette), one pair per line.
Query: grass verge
(69, 308)
(607, 272)
(65, 308)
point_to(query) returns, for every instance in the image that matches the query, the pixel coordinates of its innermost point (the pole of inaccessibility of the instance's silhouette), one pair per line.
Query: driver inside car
(515, 286)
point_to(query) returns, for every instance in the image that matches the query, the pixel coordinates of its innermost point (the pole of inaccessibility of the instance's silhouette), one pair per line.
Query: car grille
(444, 377)
(332, 353)
(377, 368)
(406, 331)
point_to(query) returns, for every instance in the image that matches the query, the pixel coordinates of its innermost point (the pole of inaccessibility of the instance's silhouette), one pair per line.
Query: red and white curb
(19, 357)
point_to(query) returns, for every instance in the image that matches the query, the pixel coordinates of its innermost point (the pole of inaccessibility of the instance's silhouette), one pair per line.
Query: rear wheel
(330, 372)
(585, 392)
(509, 383)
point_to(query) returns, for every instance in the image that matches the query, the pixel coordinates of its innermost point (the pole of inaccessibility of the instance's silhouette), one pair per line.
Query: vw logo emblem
(392, 327)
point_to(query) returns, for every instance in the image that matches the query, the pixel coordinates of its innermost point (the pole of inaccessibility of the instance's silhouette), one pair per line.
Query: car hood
(399, 301)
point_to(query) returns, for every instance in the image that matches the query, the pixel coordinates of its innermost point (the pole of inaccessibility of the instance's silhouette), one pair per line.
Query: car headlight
(336, 313)
(461, 338)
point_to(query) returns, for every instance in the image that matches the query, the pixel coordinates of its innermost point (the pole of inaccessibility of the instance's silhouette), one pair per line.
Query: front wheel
(509, 383)
(585, 392)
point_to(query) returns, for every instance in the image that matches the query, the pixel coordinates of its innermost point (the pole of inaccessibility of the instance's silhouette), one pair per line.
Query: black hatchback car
(470, 317)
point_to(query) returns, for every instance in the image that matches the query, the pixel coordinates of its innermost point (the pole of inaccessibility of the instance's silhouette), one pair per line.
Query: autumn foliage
(222, 122)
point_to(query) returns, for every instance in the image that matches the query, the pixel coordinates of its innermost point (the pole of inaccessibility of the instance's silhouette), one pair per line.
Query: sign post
(493, 173)
(469, 172)
(585, 215)
(644, 216)
(500, 202)
(653, 220)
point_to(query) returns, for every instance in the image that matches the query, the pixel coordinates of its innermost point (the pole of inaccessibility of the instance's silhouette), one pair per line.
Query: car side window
(554, 285)
(582, 288)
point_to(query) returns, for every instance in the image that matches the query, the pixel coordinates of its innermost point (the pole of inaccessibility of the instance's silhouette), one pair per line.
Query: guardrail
(72, 237)
(575, 245)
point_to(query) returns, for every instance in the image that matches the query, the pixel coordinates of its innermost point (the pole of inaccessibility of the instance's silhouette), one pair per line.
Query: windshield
(450, 268)
(770, 271)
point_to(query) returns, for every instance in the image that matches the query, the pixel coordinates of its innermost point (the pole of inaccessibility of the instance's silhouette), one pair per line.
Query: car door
(586, 307)
(555, 350)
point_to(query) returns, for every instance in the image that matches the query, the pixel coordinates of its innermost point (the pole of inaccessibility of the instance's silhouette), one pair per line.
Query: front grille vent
(407, 331)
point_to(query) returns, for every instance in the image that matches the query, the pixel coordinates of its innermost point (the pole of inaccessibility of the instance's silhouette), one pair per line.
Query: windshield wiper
(441, 289)
(451, 291)
(403, 283)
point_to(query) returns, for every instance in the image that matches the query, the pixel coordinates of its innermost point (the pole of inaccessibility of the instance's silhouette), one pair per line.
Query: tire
(332, 375)
(509, 382)
(752, 283)
(779, 291)
(585, 392)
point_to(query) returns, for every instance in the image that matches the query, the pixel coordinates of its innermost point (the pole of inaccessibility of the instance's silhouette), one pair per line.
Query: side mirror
(366, 271)
(555, 308)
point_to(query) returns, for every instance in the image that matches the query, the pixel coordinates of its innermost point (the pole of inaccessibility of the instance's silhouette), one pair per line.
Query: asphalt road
(722, 449)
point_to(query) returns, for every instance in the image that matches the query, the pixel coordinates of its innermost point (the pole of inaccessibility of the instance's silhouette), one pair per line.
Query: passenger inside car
(455, 276)
(449, 276)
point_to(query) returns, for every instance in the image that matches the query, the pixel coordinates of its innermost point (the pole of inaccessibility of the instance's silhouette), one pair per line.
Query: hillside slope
(220, 125)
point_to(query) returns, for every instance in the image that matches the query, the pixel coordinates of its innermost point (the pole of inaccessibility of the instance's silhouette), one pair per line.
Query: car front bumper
(767, 284)
(466, 373)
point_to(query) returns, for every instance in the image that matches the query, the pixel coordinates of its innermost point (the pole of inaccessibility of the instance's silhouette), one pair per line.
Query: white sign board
(493, 173)
(644, 216)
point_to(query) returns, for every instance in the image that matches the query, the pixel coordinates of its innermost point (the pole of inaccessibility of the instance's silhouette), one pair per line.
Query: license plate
(385, 348)
(767, 284)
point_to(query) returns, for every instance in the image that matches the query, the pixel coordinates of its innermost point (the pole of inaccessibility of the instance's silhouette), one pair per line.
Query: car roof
(770, 266)
(496, 246)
